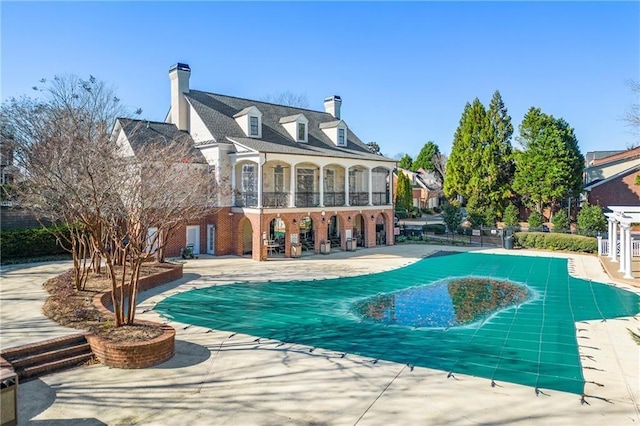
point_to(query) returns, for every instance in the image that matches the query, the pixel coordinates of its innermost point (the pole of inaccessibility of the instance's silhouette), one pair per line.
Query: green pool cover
(533, 343)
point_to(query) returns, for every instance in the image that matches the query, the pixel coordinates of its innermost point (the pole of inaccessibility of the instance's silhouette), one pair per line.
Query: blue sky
(403, 70)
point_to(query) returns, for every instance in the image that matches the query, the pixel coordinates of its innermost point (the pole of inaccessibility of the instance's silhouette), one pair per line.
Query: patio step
(37, 359)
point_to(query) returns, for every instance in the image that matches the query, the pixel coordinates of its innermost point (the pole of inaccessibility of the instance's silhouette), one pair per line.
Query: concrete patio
(224, 378)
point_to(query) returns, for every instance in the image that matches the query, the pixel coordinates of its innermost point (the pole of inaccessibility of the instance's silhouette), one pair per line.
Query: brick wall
(621, 191)
(229, 230)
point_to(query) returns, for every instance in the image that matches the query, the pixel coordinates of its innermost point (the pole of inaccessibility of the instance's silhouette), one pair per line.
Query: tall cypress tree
(464, 166)
(404, 192)
(498, 155)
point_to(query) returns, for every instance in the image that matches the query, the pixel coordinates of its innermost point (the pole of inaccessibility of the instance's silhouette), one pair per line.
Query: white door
(193, 237)
(211, 239)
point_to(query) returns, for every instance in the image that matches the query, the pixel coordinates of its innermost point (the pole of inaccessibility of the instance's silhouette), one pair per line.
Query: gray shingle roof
(218, 111)
(140, 132)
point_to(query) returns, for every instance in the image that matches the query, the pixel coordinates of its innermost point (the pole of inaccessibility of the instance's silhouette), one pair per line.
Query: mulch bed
(75, 309)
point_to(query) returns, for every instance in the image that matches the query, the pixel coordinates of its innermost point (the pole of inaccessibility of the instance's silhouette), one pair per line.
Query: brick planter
(136, 354)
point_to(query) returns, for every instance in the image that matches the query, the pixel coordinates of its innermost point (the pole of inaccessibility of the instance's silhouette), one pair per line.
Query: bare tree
(109, 195)
(287, 98)
(440, 166)
(632, 116)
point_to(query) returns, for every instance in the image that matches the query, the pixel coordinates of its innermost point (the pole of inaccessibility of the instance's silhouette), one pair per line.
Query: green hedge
(28, 243)
(550, 241)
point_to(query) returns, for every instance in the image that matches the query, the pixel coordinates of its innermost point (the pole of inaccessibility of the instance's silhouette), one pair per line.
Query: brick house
(295, 179)
(610, 180)
(425, 187)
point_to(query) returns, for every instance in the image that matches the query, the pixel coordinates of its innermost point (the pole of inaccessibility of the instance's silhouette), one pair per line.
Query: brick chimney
(179, 75)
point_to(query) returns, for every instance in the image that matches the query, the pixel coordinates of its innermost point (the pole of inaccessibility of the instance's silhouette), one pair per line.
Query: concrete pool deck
(219, 378)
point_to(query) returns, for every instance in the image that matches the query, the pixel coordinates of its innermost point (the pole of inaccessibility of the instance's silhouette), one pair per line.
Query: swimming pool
(533, 343)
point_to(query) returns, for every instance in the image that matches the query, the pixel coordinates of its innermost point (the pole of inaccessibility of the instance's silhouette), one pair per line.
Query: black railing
(275, 199)
(246, 199)
(307, 199)
(358, 198)
(333, 199)
(380, 198)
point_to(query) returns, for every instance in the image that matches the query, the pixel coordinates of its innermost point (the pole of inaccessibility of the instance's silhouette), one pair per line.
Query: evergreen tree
(498, 153)
(425, 157)
(464, 161)
(510, 216)
(480, 167)
(550, 166)
(535, 220)
(406, 162)
(404, 193)
(591, 220)
(452, 216)
(560, 221)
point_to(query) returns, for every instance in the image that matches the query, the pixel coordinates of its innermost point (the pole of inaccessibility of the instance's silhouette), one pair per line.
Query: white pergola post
(260, 185)
(609, 237)
(613, 241)
(626, 229)
(623, 250)
(624, 217)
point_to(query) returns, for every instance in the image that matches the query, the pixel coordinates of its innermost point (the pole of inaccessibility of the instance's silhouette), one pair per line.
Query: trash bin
(325, 247)
(351, 244)
(508, 242)
(296, 250)
(9, 397)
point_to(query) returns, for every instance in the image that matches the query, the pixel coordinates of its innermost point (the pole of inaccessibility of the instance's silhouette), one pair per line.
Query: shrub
(436, 228)
(402, 213)
(535, 220)
(591, 220)
(476, 217)
(452, 216)
(560, 221)
(490, 216)
(29, 243)
(510, 217)
(546, 241)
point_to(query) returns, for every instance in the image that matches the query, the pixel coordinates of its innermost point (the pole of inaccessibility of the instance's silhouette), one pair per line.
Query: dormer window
(253, 121)
(302, 132)
(250, 121)
(336, 131)
(341, 140)
(297, 127)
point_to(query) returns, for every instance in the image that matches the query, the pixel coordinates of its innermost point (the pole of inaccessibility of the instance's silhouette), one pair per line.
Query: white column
(613, 242)
(259, 185)
(233, 185)
(390, 177)
(321, 186)
(628, 252)
(609, 237)
(292, 186)
(370, 187)
(623, 249)
(346, 188)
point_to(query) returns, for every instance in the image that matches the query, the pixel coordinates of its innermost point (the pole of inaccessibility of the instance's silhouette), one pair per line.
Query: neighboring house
(296, 178)
(610, 180)
(8, 170)
(426, 189)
